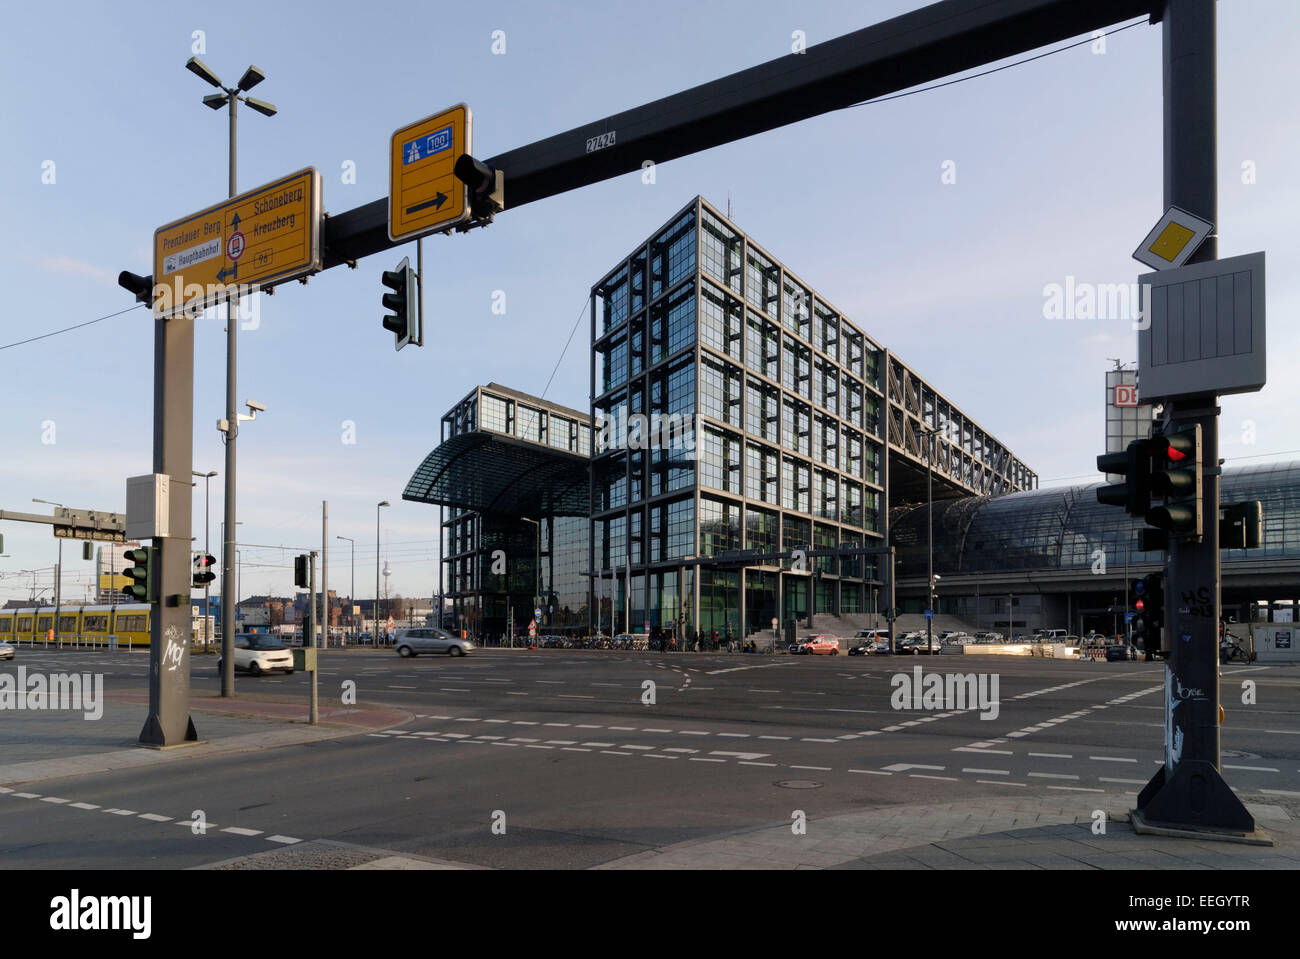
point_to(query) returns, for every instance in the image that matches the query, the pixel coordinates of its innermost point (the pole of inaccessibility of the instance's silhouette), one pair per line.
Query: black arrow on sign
(436, 203)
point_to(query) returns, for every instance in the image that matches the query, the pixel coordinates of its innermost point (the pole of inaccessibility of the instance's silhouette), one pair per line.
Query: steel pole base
(1196, 797)
(154, 736)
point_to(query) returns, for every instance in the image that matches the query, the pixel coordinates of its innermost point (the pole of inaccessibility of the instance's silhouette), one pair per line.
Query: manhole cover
(798, 784)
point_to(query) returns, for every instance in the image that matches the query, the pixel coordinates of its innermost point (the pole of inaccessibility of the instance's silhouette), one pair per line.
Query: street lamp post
(375, 635)
(58, 574)
(537, 567)
(230, 97)
(352, 596)
(207, 548)
(929, 496)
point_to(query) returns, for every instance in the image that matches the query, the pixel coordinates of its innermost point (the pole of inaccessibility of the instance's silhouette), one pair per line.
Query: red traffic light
(204, 560)
(1139, 605)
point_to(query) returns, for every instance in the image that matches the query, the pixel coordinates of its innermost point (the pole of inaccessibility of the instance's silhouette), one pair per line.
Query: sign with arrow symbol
(424, 195)
(259, 238)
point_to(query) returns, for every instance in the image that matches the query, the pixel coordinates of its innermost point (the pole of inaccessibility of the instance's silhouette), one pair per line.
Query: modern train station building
(737, 416)
(733, 407)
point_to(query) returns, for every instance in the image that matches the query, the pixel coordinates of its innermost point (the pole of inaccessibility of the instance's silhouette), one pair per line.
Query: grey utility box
(1204, 329)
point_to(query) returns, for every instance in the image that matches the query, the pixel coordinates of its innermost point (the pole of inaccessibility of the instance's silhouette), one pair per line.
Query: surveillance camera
(255, 406)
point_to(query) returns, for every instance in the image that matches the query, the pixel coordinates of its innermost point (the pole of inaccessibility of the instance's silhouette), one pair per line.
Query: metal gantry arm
(926, 44)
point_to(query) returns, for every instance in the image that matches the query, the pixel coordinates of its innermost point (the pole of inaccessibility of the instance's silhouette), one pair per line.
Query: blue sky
(1058, 173)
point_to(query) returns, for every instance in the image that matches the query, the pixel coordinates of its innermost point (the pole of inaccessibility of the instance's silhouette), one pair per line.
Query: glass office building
(511, 477)
(735, 408)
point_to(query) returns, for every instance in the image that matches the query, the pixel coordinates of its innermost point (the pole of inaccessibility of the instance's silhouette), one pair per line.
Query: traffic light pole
(171, 627)
(1189, 790)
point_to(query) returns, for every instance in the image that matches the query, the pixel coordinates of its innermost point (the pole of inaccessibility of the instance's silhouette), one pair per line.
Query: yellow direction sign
(423, 194)
(259, 238)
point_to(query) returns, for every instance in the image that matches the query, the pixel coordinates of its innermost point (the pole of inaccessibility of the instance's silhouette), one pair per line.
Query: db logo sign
(1126, 395)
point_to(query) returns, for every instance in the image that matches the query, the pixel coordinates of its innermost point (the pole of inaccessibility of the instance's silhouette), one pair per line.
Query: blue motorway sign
(1128, 617)
(426, 146)
(929, 614)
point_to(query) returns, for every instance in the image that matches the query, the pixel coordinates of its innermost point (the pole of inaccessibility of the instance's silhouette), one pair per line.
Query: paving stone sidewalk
(1024, 832)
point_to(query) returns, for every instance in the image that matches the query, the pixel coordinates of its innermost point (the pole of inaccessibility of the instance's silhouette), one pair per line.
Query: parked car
(6, 651)
(430, 639)
(259, 653)
(824, 644)
(987, 637)
(1120, 652)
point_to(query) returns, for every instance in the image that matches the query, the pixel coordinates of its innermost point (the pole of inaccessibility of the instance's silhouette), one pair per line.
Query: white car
(259, 653)
(6, 651)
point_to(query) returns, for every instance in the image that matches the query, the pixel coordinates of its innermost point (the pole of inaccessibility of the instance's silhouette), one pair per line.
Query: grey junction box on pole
(1204, 330)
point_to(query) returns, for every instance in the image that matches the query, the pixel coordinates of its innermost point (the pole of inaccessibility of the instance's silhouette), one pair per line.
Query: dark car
(1120, 653)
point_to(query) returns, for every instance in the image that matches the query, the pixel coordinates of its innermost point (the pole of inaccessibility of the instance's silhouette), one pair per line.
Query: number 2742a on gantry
(423, 193)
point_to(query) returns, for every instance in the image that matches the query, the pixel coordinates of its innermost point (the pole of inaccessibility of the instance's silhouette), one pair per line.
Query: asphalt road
(567, 749)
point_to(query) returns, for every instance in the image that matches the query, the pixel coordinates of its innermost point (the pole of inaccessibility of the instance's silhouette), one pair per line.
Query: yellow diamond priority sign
(423, 194)
(1173, 240)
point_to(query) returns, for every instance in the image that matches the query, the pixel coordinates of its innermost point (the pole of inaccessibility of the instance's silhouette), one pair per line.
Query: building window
(720, 390)
(672, 254)
(762, 473)
(719, 460)
(720, 252)
(719, 526)
(720, 322)
(611, 300)
(762, 411)
(761, 282)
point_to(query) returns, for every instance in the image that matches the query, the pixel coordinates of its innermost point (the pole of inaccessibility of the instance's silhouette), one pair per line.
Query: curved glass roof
(1059, 528)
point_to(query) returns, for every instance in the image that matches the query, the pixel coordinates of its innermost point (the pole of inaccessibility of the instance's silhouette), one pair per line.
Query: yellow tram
(123, 626)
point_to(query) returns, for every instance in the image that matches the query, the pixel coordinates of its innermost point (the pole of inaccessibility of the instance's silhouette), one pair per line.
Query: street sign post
(424, 196)
(259, 238)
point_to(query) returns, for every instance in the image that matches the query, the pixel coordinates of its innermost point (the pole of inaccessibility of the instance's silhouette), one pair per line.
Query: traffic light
(87, 551)
(203, 573)
(1134, 464)
(1149, 611)
(487, 191)
(404, 322)
(1241, 525)
(141, 587)
(301, 575)
(1176, 477)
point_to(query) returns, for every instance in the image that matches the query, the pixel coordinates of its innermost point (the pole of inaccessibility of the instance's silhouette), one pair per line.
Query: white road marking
(991, 752)
(1054, 775)
(1281, 792)
(1130, 782)
(599, 745)
(241, 831)
(950, 779)
(750, 762)
(1000, 782)
(287, 840)
(705, 759)
(733, 755)
(692, 732)
(569, 696)
(83, 805)
(1077, 789)
(775, 737)
(736, 669)
(615, 752)
(1252, 769)
(1052, 755)
(54, 799)
(818, 768)
(987, 772)
(872, 772)
(155, 817)
(904, 767)
(1110, 759)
